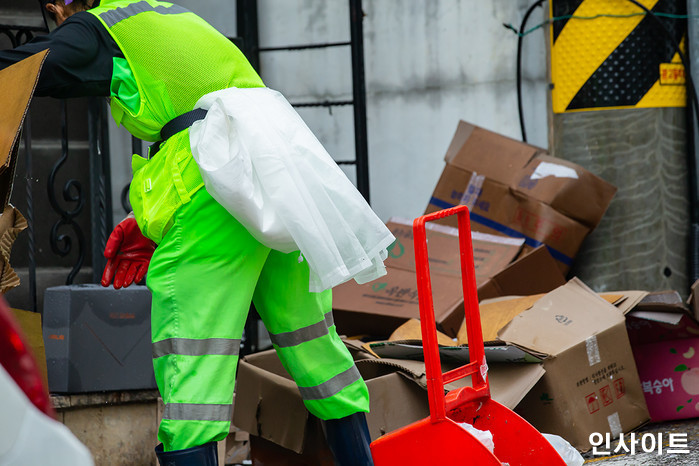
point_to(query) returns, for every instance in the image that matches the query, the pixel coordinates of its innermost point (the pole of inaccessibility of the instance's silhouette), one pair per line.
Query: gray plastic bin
(97, 339)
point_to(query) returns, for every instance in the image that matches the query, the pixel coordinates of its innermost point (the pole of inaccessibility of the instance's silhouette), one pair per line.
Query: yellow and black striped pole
(618, 99)
(610, 54)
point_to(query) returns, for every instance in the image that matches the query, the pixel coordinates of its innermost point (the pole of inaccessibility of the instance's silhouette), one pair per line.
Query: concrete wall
(428, 64)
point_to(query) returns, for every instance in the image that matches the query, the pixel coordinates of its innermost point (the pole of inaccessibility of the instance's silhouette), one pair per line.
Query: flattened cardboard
(411, 330)
(662, 301)
(268, 403)
(509, 382)
(379, 307)
(491, 253)
(11, 224)
(263, 452)
(535, 272)
(515, 189)
(624, 300)
(412, 350)
(17, 83)
(495, 315)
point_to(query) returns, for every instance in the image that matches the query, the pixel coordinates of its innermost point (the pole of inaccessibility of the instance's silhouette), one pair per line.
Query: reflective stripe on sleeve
(332, 386)
(197, 412)
(193, 347)
(112, 17)
(302, 335)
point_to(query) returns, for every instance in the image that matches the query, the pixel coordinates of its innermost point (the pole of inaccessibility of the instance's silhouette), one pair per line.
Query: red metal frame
(440, 439)
(477, 368)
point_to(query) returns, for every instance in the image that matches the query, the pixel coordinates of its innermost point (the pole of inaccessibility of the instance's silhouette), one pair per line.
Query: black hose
(519, 66)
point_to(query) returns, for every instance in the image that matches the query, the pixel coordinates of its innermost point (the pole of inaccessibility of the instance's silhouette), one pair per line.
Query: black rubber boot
(203, 455)
(349, 440)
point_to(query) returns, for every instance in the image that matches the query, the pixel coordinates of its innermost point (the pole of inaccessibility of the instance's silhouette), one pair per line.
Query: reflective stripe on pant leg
(303, 333)
(202, 277)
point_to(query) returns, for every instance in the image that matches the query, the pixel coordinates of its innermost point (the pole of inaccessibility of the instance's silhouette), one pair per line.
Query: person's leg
(202, 278)
(303, 333)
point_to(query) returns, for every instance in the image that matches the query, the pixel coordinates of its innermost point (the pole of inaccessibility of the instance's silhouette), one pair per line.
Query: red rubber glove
(128, 254)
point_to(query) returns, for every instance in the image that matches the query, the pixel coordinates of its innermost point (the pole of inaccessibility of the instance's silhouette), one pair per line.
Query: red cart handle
(477, 367)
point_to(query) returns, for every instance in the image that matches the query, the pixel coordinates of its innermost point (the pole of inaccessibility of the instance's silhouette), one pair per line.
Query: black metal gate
(69, 184)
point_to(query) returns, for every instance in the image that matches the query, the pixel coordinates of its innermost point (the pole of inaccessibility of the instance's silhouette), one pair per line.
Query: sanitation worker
(154, 60)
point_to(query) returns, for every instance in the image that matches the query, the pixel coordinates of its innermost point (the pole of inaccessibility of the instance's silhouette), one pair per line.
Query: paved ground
(642, 458)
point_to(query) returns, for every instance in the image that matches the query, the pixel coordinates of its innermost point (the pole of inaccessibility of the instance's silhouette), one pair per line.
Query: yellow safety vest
(172, 58)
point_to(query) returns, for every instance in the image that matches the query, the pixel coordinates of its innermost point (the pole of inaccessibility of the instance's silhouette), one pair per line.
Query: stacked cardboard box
(379, 307)
(588, 381)
(562, 360)
(530, 213)
(518, 190)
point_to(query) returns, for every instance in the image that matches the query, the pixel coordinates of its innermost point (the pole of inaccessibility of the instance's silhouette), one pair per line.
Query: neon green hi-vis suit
(207, 267)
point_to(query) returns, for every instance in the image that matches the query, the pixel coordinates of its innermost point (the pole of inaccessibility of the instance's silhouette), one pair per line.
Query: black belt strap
(176, 125)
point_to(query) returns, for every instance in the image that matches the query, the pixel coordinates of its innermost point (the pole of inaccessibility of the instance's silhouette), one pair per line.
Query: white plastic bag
(570, 455)
(484, 436)
(260, 161)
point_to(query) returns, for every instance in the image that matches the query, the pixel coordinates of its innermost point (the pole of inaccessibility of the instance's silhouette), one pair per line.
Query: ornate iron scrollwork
(18, 35)
(62, 243)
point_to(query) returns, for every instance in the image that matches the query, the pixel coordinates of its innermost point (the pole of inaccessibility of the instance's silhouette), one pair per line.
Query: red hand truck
(438, 439)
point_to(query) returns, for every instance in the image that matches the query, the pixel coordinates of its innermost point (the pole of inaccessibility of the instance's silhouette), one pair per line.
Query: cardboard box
(565, 356)
(579, 342)
(591, 382)
(17, 83)
(665, 341)
(491, 253)
(269, 407)
(515, 189)
(535, 272)
(379, 307)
